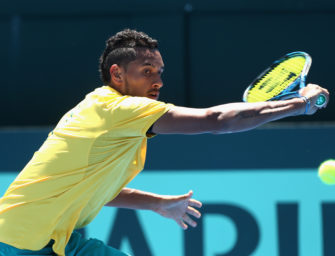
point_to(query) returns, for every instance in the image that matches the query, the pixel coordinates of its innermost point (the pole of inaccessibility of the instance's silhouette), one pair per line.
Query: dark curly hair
(123, 48)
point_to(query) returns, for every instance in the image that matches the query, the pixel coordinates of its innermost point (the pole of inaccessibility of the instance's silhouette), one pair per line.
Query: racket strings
(277, 79)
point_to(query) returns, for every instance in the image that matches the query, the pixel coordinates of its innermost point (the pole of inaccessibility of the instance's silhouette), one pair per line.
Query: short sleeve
(133, 116)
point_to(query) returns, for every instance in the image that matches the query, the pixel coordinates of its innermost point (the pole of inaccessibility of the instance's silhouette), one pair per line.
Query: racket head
(279, 78)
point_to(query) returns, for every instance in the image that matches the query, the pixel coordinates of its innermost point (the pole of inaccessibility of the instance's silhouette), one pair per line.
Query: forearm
(236, 117)
(178, 208)
(136, 199)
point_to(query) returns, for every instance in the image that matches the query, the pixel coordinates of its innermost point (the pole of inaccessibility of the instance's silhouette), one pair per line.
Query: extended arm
(235, 117)
(177, 208)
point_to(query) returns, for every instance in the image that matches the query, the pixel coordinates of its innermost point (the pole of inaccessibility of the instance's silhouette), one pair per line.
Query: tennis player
(99, 146)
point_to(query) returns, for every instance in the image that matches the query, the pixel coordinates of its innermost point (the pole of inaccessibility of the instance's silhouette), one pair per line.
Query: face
(143, 76)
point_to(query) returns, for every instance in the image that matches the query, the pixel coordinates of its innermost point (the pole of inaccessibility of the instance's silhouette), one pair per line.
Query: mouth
(153, 95)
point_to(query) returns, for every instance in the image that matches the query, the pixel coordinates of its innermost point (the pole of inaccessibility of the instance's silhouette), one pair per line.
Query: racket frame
(287, 92)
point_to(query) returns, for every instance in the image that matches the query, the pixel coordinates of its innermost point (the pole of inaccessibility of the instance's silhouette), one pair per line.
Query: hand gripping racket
(278, 80)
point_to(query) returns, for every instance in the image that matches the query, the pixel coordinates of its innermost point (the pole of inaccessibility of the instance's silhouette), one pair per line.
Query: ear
(116, 74)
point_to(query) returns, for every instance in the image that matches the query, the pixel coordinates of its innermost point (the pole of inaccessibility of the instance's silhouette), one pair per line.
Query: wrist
(161, 205)
(307, 103)
(157, 203)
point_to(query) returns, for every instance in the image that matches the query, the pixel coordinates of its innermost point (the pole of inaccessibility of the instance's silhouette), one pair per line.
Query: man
(100, 145)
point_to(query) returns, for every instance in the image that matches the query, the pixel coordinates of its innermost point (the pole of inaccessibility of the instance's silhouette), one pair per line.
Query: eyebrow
(147, 64)
(152, 65)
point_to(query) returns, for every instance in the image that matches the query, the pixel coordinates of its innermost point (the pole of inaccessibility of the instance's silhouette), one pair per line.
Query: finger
(186, 196)
(194, 203)
(182, 224)
(193, 212)
(189, 194)
(189, 221)
(326, 94)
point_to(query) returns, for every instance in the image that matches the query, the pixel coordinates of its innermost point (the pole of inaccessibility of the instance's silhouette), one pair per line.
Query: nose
(158, 84)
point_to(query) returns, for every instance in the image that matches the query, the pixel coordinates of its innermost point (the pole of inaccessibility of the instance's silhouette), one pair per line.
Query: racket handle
(321, 101)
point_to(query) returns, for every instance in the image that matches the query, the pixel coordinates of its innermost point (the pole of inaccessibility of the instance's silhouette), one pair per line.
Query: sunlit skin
(141, 77)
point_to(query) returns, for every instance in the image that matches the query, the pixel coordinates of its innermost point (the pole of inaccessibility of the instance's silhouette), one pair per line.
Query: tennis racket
(278, 80)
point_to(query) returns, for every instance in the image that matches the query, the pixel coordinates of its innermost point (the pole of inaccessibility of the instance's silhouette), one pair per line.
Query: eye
(147, 71)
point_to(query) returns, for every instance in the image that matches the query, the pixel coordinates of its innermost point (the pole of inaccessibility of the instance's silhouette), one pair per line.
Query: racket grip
(321, 101)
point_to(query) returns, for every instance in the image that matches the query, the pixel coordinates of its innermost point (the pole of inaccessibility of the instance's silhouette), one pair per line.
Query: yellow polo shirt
(94, 151)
